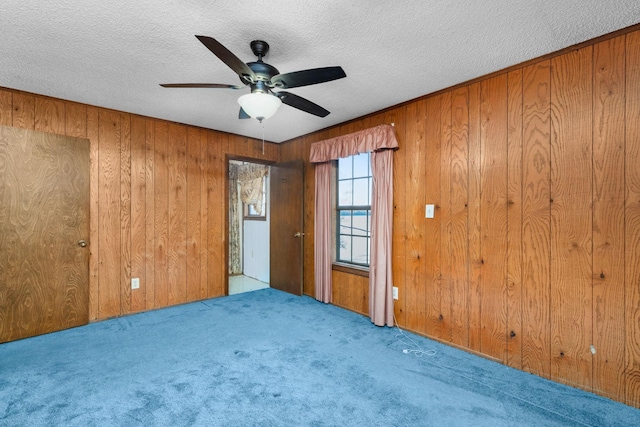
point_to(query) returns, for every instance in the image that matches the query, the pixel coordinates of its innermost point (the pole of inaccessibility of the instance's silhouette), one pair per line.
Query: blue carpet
(267, 358)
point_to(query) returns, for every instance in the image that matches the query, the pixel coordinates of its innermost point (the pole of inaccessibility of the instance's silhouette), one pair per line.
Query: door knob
(82, 243)
(298, 234)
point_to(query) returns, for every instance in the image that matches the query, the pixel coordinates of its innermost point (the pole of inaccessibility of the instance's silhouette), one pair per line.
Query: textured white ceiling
(115, 53)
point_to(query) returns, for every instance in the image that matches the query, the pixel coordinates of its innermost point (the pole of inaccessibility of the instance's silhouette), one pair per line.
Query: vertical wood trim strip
(150, 214)
(109, 222)
(203, 165)
(514, 220)
(177, 244)
(125, 214)
(459, 216)
(571, 217)
(493, 205)
(161, 220)
(632, 221)
(474, 221)
(432, 232)
(445, 224)
(413, 174)
(138, 211)
(193, 181)
(536, 194)
(94, 216)
(608, 216)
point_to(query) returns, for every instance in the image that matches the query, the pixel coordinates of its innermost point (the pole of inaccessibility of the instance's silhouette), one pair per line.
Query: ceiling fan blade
(202, 85)
(228, 58)
(243, 114)
(308, 77)
(301, 103)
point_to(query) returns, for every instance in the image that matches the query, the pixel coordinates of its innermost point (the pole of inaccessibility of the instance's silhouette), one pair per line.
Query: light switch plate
(429, 211)
(135, 283)
(395, 293)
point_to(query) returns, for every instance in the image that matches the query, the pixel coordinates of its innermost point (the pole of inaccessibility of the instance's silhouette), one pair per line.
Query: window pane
(345, 168)
(360, 250)
(361, 165)
(361, 192)
(345, 193)
(345, 248)
(345, 222)
(360, 226)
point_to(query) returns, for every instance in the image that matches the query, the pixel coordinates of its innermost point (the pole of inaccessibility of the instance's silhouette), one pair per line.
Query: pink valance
(364, 141)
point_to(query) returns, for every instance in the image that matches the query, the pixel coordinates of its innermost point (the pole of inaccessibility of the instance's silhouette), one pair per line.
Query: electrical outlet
(135, 283)
(395, 293)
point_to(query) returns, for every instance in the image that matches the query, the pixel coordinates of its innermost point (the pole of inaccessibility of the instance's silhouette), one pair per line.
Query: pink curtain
(380, 273)
(322, 233)
(365, 141)
(380, 140)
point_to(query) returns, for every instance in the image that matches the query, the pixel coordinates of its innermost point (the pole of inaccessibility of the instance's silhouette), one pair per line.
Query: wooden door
(286, 216)
(44, 217)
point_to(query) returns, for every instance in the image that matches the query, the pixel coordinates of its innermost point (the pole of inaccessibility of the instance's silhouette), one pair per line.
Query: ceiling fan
(263, 78)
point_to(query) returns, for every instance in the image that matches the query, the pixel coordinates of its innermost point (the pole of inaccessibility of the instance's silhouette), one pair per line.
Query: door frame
(229, 158)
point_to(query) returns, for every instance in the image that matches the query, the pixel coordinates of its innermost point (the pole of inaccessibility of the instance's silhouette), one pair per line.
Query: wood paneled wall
(533, 257)
(158, 193)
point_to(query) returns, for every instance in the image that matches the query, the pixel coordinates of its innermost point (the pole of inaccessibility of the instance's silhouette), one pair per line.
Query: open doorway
(249, 224)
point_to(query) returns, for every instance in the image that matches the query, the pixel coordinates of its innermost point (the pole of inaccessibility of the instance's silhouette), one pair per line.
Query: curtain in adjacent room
(251, 179)
(381, 141)
(235, 217)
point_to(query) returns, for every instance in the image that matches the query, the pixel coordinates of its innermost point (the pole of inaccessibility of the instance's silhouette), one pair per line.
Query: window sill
(351, 269)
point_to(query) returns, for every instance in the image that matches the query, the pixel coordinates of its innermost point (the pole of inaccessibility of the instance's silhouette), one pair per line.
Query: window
(250, 210)
(353, 224)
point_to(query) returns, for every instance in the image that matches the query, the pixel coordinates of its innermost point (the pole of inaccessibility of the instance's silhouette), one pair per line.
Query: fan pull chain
(262, 123)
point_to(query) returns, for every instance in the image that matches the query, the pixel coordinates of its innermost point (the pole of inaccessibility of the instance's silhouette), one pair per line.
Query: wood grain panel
(444, 332)
(150, 214)
(109, 257)
(204, 217)
(474, 244)
(138, 206)
(217, 217)
(93, 133)
(413, 174)
(608, 216)
(4, 214)
(6, 108)
(493, 216)
(536, 218)
(350, 291)
(161, 210)
(125, 213)
(514, 219)
(571, 217)
(23, 110)
(193, 191)
(75, 123)
(49, 115)
(177, 256)
(632, 221)
(459, 216)
(432, 230)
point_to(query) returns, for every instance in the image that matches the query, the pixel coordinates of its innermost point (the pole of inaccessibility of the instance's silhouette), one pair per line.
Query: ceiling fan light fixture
(259, 105)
